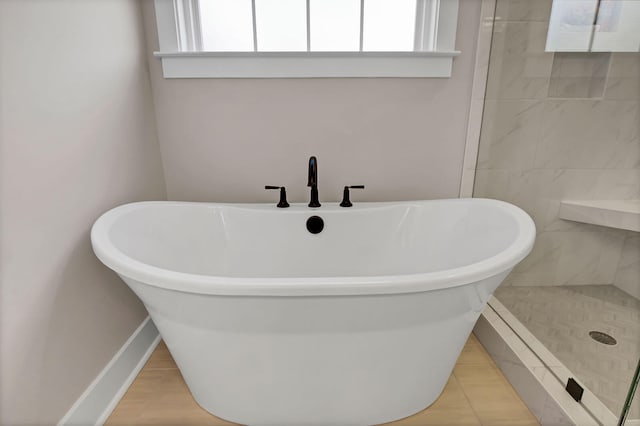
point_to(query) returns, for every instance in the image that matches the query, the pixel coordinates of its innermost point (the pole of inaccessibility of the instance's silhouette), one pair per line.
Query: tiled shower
(563, 126)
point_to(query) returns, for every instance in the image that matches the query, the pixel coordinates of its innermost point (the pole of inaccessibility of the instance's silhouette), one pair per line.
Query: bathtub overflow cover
(315, 224)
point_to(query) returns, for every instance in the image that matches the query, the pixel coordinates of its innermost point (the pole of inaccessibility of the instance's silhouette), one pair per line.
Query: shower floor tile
(561, 317)
(477, 394)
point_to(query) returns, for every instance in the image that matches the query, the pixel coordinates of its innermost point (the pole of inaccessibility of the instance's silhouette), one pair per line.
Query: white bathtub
(269, 324)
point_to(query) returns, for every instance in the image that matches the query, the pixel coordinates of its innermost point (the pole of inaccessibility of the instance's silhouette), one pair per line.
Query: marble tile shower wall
(561, 126)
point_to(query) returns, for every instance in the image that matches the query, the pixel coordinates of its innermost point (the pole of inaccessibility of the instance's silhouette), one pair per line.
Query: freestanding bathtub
(270, 324)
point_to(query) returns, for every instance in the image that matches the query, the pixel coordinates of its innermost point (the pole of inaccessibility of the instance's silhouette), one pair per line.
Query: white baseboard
(103, 394)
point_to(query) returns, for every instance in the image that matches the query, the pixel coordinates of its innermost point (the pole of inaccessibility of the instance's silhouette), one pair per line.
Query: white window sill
(305, 64)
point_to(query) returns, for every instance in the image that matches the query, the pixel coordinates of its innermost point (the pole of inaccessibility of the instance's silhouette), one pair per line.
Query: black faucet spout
(313, 182)
(313, 172)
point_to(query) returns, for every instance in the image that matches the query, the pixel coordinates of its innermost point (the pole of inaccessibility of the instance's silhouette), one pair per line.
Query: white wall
(224, 139)
(77, 137)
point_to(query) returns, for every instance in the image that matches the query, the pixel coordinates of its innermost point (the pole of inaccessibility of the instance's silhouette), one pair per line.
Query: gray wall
(561, 126)
(77, 137)
(224, 139)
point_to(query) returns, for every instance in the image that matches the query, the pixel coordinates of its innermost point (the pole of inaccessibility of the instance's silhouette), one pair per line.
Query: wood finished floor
(477, 394)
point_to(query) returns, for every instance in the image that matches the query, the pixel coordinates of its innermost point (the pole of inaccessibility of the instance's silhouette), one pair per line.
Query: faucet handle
(346, 202)
(283, 195)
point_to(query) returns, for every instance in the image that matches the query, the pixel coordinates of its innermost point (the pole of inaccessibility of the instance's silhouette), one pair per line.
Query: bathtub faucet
(313, 182)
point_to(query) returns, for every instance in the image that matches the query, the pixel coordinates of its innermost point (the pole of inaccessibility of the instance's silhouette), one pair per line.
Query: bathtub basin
(270, 324)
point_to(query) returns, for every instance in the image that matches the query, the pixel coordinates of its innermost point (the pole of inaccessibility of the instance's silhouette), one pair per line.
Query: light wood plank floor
(477, 394)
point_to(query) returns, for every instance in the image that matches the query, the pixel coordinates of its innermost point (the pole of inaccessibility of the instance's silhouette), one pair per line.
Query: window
(306, 38)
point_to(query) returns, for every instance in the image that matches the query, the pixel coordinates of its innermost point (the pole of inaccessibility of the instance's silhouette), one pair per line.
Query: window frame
(181, 55)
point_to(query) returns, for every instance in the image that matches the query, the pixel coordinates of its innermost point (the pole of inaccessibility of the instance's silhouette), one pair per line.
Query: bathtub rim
(144, 273)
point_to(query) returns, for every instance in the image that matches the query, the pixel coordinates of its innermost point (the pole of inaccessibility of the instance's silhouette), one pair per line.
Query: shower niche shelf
(620, 214)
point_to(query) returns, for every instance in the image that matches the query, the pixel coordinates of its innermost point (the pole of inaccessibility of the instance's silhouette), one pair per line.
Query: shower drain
(601, 337)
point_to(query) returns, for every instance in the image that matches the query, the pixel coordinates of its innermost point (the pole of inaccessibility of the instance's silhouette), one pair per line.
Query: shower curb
(534, 381)
(557, 368)
(103, 394)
